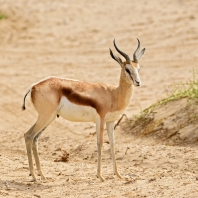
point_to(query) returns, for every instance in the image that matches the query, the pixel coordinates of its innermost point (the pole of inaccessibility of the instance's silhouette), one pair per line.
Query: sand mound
(173, 123)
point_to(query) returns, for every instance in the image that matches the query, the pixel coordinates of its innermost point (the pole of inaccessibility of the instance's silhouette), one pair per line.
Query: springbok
(80, 101)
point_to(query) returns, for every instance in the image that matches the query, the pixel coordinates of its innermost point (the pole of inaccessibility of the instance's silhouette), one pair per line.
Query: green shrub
(2, 16)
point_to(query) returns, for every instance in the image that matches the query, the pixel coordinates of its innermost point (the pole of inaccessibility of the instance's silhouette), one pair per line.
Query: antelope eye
(127, 70)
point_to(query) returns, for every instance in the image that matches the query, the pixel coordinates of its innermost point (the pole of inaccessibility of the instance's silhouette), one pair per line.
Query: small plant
(185, 90)
(2, 16)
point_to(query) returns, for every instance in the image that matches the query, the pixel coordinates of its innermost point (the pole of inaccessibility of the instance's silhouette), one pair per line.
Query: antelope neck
(124, 92)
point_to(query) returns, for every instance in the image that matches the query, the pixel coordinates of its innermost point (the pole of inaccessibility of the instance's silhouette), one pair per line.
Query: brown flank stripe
(80, 100)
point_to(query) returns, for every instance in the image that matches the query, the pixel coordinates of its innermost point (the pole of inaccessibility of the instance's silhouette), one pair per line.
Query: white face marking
(133, 74)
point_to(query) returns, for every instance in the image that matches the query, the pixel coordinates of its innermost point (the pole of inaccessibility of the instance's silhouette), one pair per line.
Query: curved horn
(122, 53)
(135, 55)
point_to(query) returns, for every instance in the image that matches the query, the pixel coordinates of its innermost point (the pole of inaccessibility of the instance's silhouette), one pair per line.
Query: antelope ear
(116, 58)
(141, 54)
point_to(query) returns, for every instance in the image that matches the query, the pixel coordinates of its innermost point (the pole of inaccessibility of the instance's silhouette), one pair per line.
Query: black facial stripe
(127, 70)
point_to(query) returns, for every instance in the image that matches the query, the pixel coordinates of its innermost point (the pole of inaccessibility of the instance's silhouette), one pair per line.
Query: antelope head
(130, 68)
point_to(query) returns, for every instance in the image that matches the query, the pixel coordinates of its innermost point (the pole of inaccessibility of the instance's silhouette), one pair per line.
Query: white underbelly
(80, 113)
(76, 113)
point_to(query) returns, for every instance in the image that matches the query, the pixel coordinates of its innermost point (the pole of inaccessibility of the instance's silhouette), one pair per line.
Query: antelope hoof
(101, 178)
(33, 177)
(118, 175)
(42, 177)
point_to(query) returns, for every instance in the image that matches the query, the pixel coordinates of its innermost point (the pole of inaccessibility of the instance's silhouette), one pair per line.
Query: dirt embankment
(172, 123)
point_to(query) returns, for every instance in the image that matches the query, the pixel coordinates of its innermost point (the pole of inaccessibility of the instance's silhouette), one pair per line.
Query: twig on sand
(127, 148)
(123, 115)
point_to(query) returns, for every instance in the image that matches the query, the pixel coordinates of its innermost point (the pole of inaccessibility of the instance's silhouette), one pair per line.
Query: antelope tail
(23, 107)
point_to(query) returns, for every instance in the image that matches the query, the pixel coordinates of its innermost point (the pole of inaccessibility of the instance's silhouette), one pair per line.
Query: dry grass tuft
(64, 157)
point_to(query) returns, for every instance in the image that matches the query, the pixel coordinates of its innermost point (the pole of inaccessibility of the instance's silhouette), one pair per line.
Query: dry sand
(71, 39)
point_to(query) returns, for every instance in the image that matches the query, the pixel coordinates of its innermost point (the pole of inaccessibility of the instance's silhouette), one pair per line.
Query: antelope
(80, 101)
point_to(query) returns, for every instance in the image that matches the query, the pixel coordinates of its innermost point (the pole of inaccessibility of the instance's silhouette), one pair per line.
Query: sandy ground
(72, 39)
